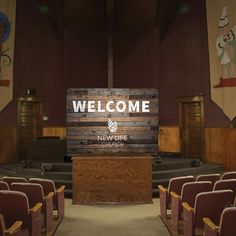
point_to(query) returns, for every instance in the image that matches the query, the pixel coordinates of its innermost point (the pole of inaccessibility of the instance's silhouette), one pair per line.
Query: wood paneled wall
(168, 139)
(220, 143)
(54, 131)
(7, 145)
(220, 146)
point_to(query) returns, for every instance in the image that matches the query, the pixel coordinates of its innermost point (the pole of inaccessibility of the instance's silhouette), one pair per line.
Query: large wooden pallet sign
(103, 121)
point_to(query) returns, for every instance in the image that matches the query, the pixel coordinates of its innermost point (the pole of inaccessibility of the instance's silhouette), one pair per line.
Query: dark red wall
(136, 58)
(184, 65)
(38, 62)
(176, 66)
(51, 65)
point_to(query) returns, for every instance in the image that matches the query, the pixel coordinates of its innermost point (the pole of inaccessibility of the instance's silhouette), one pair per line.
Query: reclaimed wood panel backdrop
(89, 132)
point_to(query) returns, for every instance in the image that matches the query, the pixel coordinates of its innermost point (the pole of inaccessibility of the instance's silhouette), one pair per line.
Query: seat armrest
(210, 224)
(175, 195)
(48, 212)
(187, 207)
(35, 220)
(162, 189)
(14, 228)
(37, 207)
(163, 201)
(188, 219)
(210, 229)
(50, 195)
(176, 210)
(62, 187)
(60, 202)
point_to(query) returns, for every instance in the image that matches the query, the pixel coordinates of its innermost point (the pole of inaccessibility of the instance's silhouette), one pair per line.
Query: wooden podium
(112, 179)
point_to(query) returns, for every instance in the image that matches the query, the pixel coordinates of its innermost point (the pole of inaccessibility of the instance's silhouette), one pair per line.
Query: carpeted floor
(112, 220)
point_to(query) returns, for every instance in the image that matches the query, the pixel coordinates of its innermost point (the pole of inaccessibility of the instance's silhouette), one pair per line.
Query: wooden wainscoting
(220, 146)
(7, 145)
(54, 131)
(168, 139)
(220, 143)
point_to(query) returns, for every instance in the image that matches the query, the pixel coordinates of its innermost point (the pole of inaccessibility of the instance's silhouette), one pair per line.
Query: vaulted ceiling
(110, 14)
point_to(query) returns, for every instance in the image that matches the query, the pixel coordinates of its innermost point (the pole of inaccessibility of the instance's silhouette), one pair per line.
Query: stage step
(164, 168)
(58, 175)
(66, 182)
(173, 163)
(57, 167)
(170, 173)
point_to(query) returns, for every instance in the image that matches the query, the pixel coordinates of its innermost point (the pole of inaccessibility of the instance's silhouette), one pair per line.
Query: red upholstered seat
(208, 177)
(227, 226)
(10, 180)
(15, 207)
(58, 198)
(188, 194)
(175, 185)
(225, 184)
(4, 186)
(35, 194)
(207, 205)
(14, 230)
(229, 175)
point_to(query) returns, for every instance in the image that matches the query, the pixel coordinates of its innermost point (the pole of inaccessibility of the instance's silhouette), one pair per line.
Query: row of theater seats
(27, 207)
(202, 206)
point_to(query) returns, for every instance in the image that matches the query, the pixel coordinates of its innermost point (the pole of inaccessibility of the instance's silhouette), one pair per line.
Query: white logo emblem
(112, 126)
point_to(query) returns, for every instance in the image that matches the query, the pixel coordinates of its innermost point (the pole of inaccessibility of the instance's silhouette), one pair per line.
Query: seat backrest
(47, 184)
(10, 180)
(190, 190)
(229, 175)
(208, 177)
(225, 184)
(33, 191)
(227, 222)
(211, 205)
(175, 184)
(4, 186)
(14, 206)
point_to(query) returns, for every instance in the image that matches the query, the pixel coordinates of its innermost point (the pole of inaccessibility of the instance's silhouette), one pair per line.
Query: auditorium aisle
(115, 220)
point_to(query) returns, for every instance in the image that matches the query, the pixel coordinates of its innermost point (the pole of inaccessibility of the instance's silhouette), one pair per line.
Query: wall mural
(7, 37)
(112, 121)
(221, 20)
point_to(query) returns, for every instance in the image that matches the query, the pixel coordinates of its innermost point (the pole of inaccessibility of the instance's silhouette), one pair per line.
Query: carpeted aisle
(112, 220)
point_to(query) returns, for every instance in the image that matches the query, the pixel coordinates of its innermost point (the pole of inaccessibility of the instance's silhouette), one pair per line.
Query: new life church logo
(112, 126)
(111, 107)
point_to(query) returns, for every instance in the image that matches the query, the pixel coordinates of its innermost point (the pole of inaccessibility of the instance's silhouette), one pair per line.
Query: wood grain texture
(168, 139)
(191, 120)
(54, 131)
(219, 146)
(29, 123)
(112, 179)
(7, 145)
(83, 128)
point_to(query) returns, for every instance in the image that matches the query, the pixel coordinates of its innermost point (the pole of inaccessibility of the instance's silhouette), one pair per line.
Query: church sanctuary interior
(117, 117)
